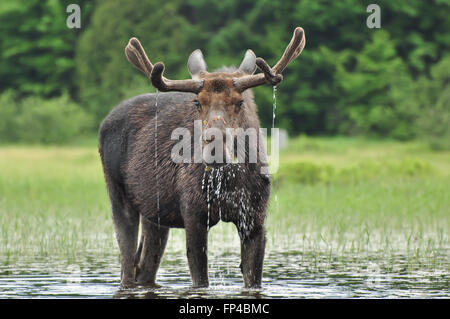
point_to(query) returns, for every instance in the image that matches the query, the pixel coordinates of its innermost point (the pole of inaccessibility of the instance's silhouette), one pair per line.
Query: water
(156, 157)
(289, 272)
(274, 105)
(274, 108)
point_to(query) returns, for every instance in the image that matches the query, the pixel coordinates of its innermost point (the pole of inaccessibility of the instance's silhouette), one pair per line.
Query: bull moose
(147, 187)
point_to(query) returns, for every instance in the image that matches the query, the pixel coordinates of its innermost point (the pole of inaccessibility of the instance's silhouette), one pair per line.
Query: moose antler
(165, 85)
(136, 55)
(273, 75)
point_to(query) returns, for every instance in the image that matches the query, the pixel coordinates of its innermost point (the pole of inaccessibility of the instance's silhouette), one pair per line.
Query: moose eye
(197, 104)
(239, 104)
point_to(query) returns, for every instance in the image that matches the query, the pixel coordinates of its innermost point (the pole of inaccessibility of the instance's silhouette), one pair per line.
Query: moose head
(220, 100)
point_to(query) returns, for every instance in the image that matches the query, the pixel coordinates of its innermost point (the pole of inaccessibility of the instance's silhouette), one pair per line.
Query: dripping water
(213, 179)
(214, 183)
(203, 179)
(156, 162)
(210, 180)
(274, 107)
(218, 188)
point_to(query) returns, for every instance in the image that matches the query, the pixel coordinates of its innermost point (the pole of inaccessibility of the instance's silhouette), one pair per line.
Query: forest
(58, 83)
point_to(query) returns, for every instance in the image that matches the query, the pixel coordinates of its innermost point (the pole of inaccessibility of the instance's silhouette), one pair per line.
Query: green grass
(363, 197)
(331, 196)
(52, 200)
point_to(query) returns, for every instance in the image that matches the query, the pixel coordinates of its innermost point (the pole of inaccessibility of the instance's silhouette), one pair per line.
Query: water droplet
(156, 160)
(274, 105)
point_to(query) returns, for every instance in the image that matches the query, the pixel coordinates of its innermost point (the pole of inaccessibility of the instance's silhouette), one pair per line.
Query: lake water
(289, 272)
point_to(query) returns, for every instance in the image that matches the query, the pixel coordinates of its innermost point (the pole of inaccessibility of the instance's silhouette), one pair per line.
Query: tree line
(391, 81)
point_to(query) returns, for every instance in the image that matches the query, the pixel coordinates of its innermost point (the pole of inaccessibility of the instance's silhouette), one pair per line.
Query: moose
(146, 187)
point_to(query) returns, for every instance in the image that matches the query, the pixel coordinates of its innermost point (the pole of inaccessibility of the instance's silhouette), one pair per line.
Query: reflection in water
(287, 274)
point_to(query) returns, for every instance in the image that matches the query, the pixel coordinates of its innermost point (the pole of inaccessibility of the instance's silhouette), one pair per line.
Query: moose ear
(248, 65)
(196, 64)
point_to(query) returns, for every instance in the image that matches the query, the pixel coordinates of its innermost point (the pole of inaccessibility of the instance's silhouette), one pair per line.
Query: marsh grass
(53, 201)
(372, 200)
(335, 198)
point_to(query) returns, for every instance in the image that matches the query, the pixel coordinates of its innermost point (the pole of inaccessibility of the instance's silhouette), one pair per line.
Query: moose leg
(154, 240)
(197, 251)
(126, 222)
(252, 257)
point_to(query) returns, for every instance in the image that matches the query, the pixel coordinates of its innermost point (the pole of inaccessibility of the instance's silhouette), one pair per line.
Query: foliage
(302, 172)
(349, 80)
(434, 103)
(37, 48)
(371, 85)
(36, 120)
(104, 75)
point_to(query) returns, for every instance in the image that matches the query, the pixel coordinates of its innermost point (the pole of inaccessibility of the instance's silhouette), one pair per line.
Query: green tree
(33, 119)
(104, 75)
(347, 80)
(433, 99)
(37, 47)
(367, 84)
